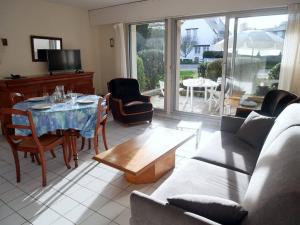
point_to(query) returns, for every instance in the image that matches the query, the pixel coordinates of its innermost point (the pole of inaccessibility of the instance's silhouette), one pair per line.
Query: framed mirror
(40, 45)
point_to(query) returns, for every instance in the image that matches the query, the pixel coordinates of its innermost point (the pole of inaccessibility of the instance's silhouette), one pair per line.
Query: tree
(214, 69)
(143, 33)
(274, 72)
(153, 60)
(141, 74)
(187, 44)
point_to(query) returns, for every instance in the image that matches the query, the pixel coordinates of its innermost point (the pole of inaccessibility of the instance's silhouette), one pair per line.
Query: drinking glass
(73, 98)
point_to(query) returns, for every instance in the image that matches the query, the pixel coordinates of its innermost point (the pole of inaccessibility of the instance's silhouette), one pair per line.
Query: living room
(149, 112)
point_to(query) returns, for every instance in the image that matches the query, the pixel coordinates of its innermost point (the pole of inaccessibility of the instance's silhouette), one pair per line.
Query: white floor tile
(13, 219)
(78, 214)
(46, 217)
(5, 211)
(32, 210)
(95, 202)
(111, 210)
(95, 219)
(123, 218)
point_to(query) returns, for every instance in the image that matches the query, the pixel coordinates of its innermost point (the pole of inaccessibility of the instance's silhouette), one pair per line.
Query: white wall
(159, 9)
(20, 19)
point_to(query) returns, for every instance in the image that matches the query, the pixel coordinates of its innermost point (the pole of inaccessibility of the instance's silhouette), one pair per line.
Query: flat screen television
(64, 60)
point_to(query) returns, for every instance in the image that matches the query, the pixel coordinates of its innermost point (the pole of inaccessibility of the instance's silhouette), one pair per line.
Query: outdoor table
(72, 119)
(207, 84)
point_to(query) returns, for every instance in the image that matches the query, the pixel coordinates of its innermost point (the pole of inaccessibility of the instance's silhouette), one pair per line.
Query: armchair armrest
(231, 124)
(244, 112)
(145, 98)
(148, 211)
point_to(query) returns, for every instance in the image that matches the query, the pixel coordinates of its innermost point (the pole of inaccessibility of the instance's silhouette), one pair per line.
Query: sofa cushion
(197, 177)
(255, 129)
(137, 107)
(220, 210)
(226, 150)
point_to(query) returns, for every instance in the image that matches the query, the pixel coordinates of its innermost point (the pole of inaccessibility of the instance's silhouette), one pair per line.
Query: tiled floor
(90, 194)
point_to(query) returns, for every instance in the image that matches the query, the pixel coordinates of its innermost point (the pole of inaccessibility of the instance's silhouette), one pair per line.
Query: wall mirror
(40, 45)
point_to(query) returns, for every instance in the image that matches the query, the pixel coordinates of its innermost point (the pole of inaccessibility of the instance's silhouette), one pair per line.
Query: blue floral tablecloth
(61, 116)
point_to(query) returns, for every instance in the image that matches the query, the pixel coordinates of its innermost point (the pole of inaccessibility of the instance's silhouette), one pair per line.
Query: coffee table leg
(154, 171)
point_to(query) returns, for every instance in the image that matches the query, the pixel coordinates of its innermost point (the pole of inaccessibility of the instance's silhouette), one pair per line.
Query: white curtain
(120, 50)
(290, 67)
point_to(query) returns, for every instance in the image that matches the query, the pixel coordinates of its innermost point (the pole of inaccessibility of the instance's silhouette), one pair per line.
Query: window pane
(254, 58)
(200, 69)
(147, 59)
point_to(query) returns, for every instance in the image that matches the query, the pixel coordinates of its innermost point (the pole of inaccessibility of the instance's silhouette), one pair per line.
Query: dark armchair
(126, 102)
(273, 104)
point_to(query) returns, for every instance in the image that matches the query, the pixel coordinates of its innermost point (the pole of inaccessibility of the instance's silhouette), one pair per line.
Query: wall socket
(4, 41)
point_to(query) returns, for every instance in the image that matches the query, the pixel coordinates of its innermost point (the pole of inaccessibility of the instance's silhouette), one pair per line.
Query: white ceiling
(93, 4)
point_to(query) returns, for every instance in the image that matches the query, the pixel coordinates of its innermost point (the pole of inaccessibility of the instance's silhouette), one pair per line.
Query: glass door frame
(230, 15)
(129, 56)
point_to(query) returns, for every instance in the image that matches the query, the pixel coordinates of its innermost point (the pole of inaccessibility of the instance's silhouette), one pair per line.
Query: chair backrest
(275, 102)
(9, 129)
(102, 111)
(124, 88)
(15, 97)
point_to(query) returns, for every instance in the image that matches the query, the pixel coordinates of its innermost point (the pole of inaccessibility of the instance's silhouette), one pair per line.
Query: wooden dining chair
(32, 144)
(14, 98)
(102, 116)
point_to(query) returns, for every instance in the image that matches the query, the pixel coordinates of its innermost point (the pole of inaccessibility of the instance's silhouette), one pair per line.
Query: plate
(85, 101)
(41, 106)
(36, 99)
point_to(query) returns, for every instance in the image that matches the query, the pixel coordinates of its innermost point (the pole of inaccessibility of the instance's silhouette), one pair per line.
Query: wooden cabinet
(36, 86)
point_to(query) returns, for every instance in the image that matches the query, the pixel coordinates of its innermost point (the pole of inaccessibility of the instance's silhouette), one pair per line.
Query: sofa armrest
(231, 124)
(148, 211)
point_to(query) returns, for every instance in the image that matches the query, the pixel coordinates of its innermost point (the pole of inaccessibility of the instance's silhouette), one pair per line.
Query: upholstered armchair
(273, 104)
(126, 102)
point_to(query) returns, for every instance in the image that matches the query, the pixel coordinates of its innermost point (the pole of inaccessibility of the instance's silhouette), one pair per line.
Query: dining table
(68, 117)
(208, 85)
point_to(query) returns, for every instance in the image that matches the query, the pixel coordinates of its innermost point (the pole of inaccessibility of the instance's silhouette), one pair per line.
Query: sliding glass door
(255, 47)
(199, 65)
(147, 53)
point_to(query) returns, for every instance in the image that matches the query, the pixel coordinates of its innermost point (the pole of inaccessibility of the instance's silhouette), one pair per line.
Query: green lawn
(188, 74)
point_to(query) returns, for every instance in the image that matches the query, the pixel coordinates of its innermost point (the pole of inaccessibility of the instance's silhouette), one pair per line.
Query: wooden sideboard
(36, 86)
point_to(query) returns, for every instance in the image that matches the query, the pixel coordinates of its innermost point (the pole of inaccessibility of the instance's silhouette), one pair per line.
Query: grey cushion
(226, 150)
(217, 209)
(255, 129)
(197, 177)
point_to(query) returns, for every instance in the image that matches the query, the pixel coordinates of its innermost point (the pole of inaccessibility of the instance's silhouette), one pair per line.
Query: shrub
(274, 72)
(214, 70)
(141, 73)
(213, 54)
(153, 61)
(202, 69)
(186, 61)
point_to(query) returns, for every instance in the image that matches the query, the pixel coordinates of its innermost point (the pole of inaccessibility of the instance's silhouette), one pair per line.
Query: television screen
(64, 60)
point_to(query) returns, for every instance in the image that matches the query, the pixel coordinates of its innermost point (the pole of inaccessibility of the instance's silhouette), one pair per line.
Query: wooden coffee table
(147, 157)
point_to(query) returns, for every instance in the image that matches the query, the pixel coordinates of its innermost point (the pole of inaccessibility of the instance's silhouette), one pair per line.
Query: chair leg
(90, 143)
(32, 158)
(43, 165)
(82, 143)
(17, 163)
(65, 152)
(53, 153)
(104, 136)
(37, 158)
(25, 154)
(96, 144)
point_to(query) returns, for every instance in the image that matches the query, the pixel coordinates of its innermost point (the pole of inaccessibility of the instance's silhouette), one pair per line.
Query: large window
(147, 52)
(255, 47)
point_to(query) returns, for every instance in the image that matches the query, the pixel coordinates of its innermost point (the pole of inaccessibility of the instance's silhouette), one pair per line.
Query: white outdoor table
(207, 84)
